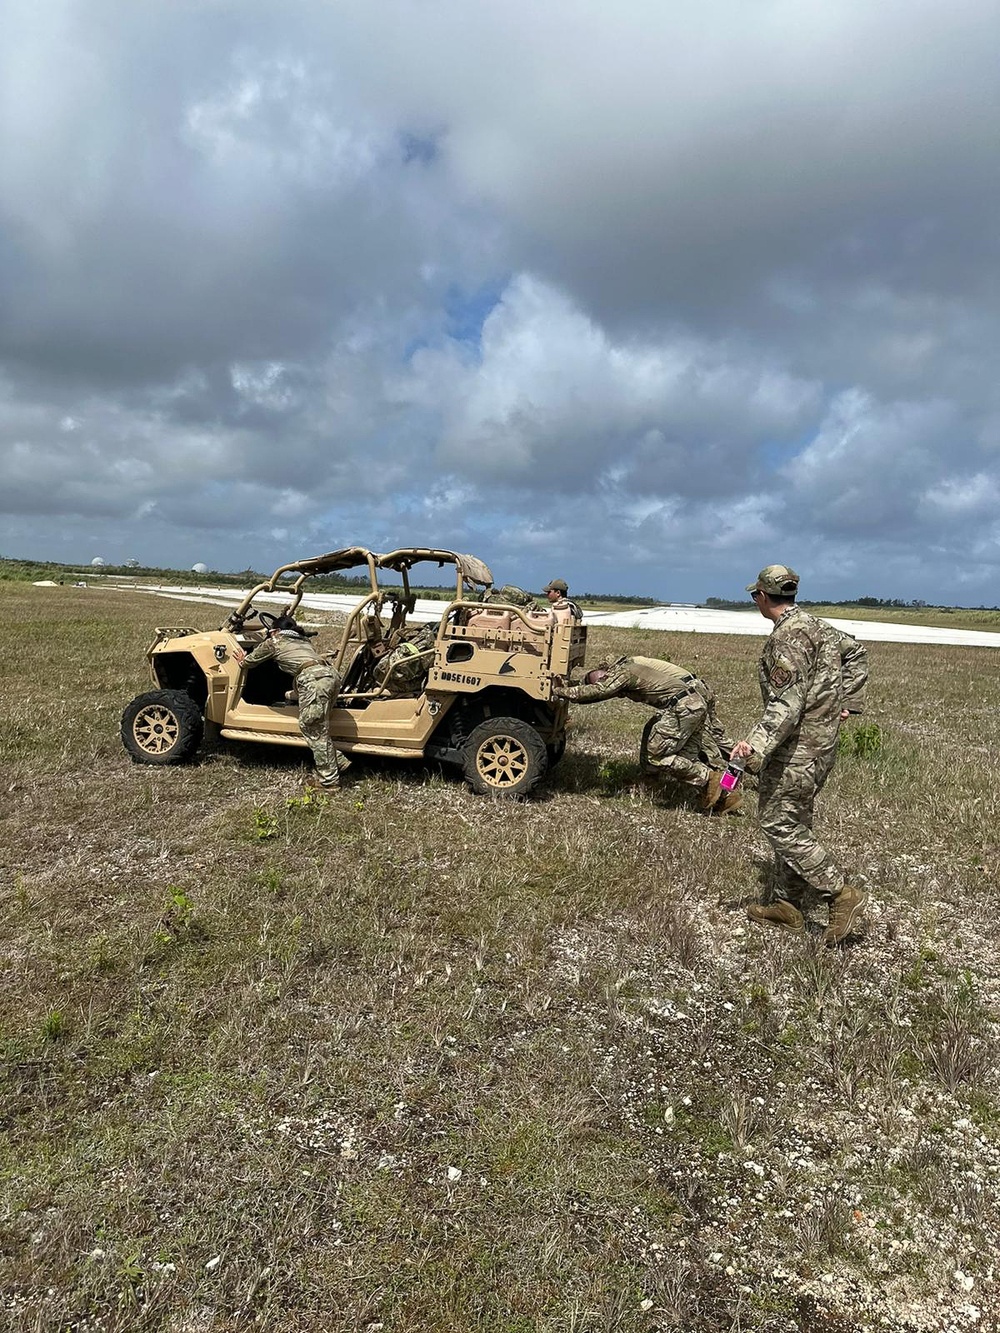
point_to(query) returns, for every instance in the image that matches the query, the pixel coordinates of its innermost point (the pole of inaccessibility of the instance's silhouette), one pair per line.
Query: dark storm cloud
(682, 156)
(183, 184)
(735, 267)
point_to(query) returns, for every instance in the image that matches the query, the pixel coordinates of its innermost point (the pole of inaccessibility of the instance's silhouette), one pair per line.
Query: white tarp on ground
(696, 620)
(679, 619)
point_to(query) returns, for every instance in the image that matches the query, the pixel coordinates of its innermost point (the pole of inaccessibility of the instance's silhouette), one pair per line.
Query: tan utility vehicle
(478, 695)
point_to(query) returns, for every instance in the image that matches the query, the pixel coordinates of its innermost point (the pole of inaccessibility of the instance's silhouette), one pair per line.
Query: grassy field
(409, 1060)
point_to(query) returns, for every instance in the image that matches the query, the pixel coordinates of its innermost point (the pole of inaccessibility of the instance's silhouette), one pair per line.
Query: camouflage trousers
(317, 688)
(789, 785)
(685, 742)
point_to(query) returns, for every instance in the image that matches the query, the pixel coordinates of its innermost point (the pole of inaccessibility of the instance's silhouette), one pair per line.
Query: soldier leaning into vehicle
(811, 678)
(686, 742)
(557, 593)
(317, 684)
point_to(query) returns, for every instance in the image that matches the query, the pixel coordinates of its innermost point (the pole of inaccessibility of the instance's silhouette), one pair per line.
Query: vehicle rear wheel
(162, 727)
(504, 756)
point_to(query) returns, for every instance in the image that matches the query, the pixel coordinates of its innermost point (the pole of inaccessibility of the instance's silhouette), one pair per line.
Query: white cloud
(552, 398)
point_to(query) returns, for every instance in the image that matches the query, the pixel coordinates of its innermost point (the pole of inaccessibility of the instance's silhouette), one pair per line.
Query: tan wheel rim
(155, 729)
(502, 761)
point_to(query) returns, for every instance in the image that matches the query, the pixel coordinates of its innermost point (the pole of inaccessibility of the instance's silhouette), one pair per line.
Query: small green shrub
(264, 826)
(53, 1027)
(864, 741)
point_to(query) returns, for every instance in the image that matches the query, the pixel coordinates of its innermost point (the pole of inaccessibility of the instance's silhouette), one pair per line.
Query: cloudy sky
(645, 295)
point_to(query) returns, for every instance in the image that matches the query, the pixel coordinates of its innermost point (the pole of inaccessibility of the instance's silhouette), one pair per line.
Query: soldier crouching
(686, 742)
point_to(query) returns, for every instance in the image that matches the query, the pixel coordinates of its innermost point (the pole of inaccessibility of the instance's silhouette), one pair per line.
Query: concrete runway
(678, 619)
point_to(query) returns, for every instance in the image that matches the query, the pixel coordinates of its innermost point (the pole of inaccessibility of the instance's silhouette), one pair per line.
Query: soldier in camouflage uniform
(686, 742)
(557, 592)
(811, 678)
(317, 684)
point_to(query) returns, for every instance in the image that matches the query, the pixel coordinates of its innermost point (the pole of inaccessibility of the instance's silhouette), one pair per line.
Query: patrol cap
(777, 580)
(557, 585)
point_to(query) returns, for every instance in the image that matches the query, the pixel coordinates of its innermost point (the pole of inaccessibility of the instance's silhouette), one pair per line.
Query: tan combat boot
(711, 792)
(781, 913)
(845, 913)
(316, 782)
(715, 801)
(728, 802)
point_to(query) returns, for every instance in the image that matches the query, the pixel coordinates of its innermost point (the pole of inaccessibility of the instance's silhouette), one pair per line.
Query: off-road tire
(504, 756)
(162, 727)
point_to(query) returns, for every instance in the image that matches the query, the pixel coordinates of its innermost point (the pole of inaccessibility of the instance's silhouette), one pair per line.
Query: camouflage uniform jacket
(644, 680)
(567, 604)
(291, 651)
(809, 671)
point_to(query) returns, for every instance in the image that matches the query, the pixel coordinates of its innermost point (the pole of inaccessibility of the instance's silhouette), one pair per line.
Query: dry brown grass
(413, 1060)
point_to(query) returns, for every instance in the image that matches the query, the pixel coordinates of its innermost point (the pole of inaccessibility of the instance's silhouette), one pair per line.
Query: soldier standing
(811, 678)
(686, 742)
(317, 684)
(558, 594)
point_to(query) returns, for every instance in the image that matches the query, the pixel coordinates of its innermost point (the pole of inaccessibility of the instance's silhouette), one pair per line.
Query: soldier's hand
(239, 655)
(845, 713)
(741, 750)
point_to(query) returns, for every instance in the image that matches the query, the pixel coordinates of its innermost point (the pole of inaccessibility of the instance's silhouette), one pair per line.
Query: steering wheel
(267, 619)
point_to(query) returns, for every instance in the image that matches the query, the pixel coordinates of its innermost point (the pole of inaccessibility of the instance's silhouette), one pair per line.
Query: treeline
(877, 603)
(891, 603)
(620, 599)
(34, 570)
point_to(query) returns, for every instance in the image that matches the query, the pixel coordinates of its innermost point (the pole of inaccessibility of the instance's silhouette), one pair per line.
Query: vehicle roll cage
(468, 571)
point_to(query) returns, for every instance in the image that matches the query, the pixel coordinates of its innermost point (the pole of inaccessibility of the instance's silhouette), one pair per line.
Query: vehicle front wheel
(504, 756)
(162, 727)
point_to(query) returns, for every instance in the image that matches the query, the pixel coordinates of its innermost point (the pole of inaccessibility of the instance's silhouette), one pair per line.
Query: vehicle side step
(245, 734)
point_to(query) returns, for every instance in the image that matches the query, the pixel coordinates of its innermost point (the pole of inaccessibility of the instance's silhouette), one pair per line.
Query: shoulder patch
(782, 673)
